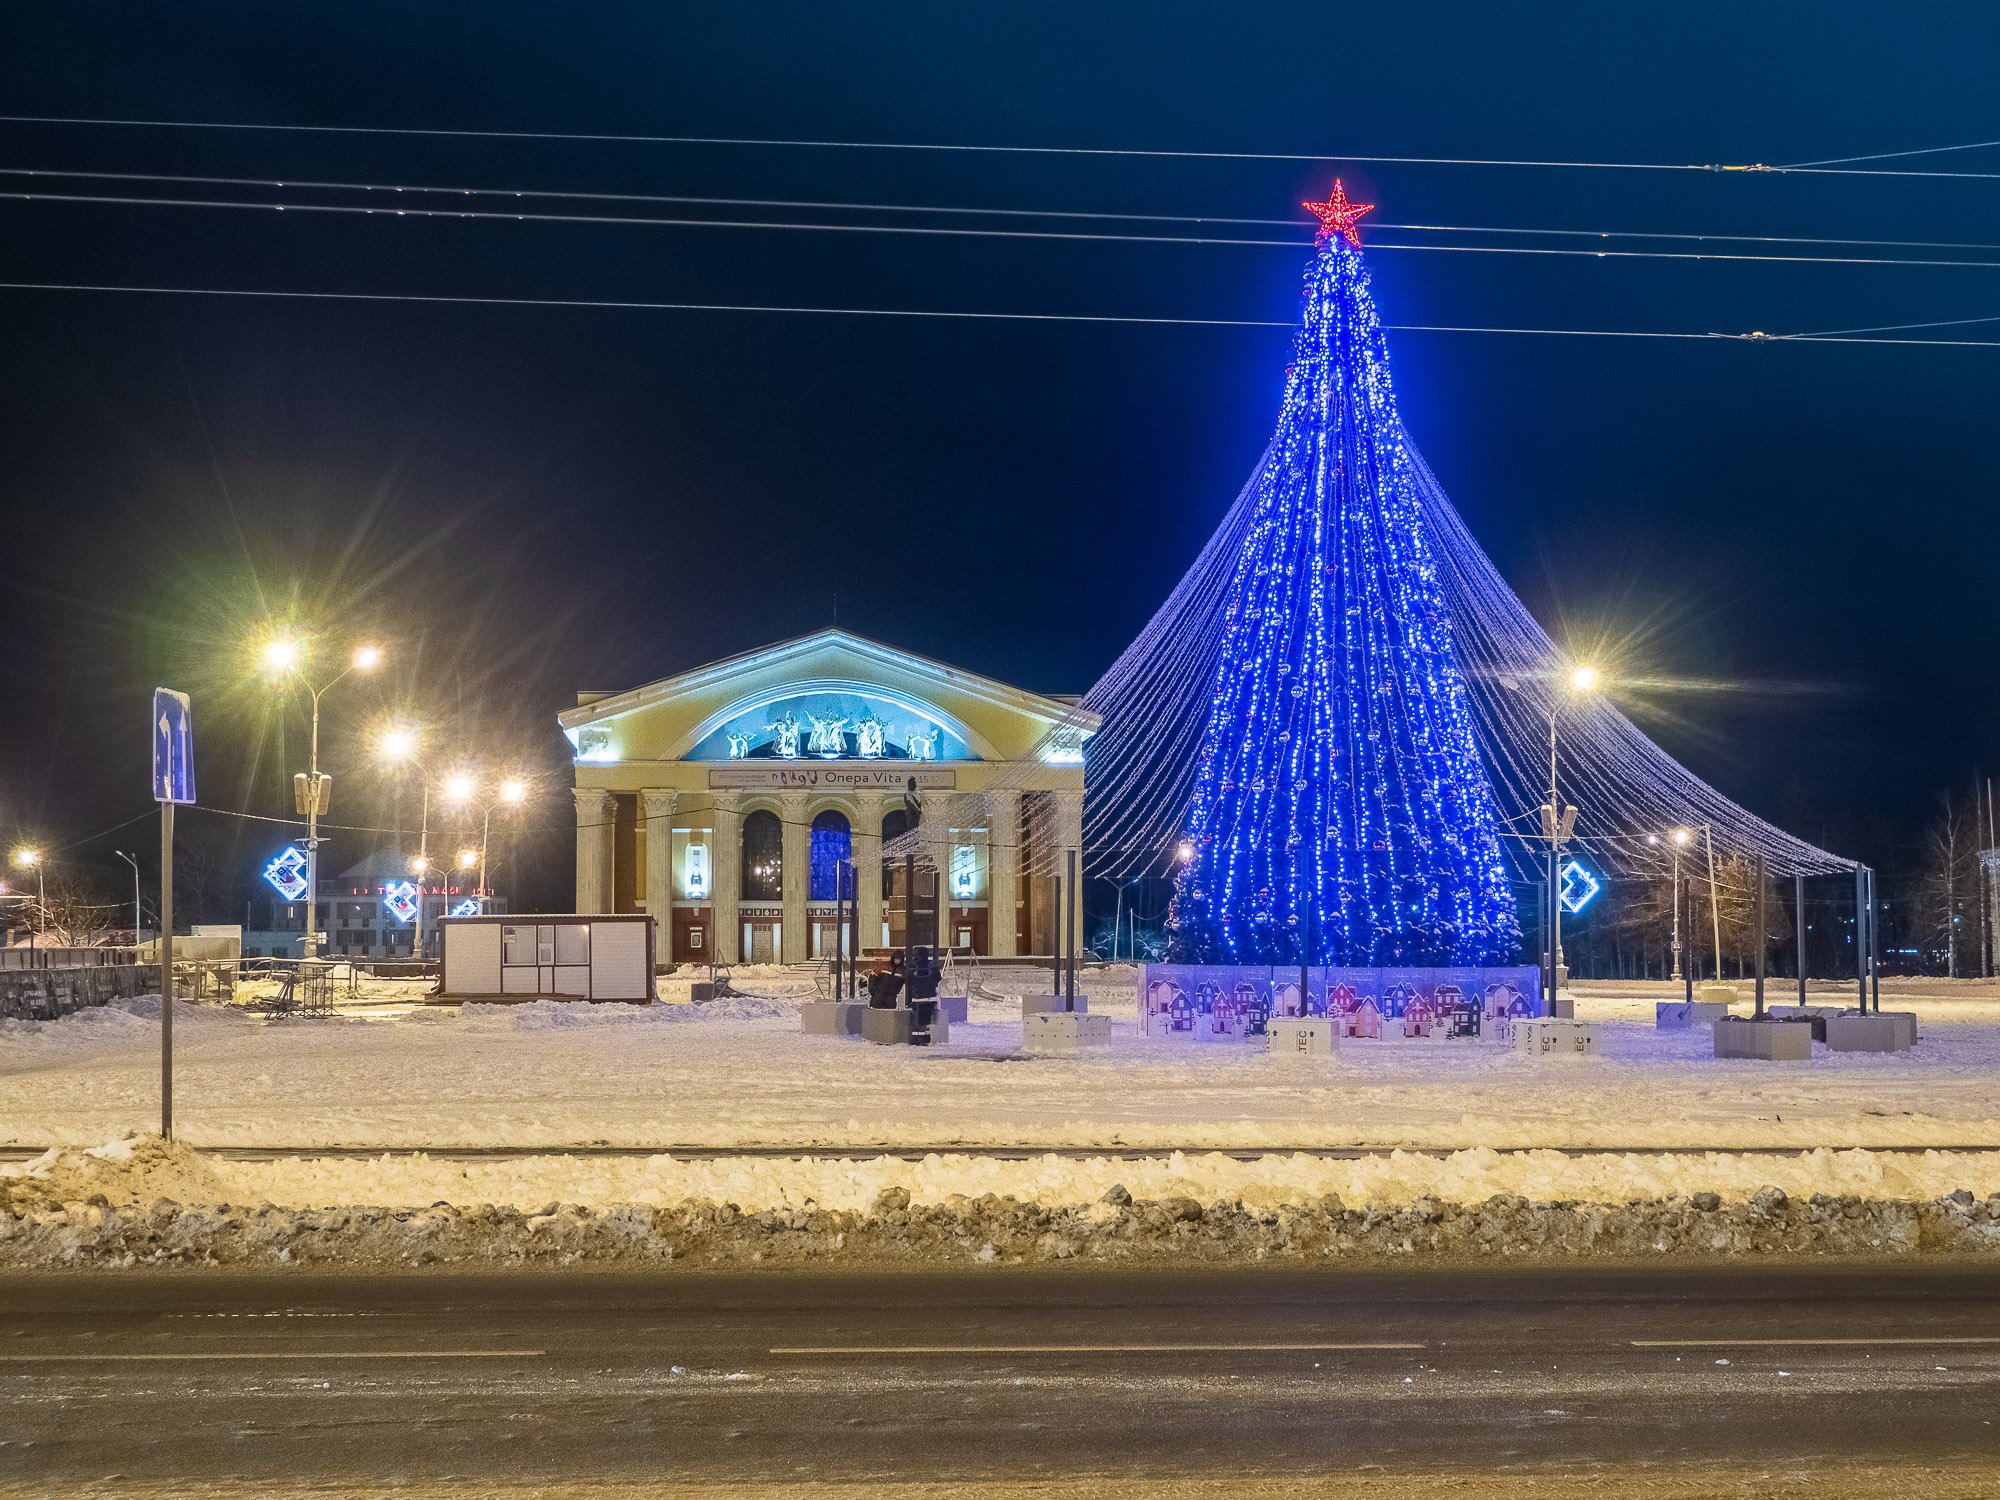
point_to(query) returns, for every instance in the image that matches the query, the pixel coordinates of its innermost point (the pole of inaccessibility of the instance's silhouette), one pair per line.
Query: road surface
(1246, 1382)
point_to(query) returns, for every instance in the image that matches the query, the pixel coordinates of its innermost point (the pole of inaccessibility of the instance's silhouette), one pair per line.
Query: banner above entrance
(846, 775)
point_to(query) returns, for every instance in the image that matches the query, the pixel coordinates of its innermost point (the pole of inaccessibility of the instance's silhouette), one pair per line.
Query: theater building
(722, 801)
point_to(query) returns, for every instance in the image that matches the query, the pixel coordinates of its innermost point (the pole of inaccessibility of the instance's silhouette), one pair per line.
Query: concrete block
(1038, 1005)
(1765, 1041)
(1684, 1015)
(952, 1007)
(701, 991)
(1306, 1036)
(1715, 994)
(1552, 1036)
(1563, 1008)
(831, 1017)
(1871, 1033)
(1065, 1031)
(887, 1028)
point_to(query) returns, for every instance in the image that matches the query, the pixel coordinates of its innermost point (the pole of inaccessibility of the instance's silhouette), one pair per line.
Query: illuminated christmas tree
(1340, 804)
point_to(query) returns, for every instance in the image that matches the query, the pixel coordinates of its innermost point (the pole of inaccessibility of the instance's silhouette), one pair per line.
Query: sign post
(173, 784)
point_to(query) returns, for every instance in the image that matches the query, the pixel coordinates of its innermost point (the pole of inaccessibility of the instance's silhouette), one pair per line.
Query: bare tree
(1950, 881)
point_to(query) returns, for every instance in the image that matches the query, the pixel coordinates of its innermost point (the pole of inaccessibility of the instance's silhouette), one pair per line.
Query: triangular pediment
(684, 717)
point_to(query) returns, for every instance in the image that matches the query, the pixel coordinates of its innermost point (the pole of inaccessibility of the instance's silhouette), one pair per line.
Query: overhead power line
(559, 194)
(1841, 161)
(618, 305)
(954, 231)
(605, 137)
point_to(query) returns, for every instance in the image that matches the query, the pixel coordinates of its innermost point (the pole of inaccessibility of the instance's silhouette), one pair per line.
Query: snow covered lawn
(388, 1072)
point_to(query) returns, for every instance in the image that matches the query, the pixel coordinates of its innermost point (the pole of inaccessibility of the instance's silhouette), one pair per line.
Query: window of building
(832, 846)
(763, 857)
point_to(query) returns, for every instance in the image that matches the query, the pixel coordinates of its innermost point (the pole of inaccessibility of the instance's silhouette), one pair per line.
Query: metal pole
(1861, 934)
(1677, 913)
(839, 922)
(909, 916)
(423, 867)
(1874, 944)
(1682, 896)
(1069, 930)
(1799, 924)
(312, 836)
(1714, 907)
(1763, 941)
(167, 970)
(135, 892)
(485, 829)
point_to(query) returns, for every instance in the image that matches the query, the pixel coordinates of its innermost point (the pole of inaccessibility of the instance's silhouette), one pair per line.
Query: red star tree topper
(1338, 216)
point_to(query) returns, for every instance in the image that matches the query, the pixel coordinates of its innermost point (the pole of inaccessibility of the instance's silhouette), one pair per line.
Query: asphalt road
(178, 1382)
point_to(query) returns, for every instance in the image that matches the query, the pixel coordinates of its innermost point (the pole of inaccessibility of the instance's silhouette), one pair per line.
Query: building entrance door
(763, 947)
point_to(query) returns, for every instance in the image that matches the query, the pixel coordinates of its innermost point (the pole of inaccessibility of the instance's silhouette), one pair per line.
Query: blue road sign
(173, 747)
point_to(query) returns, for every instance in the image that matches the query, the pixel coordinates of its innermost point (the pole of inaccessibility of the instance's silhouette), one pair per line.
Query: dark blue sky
(527, 501)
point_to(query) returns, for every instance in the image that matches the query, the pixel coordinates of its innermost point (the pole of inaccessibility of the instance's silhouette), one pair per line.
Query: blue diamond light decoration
(401, 899)
(469, 907)
(287, 873)
(1578, 886)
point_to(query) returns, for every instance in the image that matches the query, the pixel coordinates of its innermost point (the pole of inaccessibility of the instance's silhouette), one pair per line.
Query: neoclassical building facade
(723, 801)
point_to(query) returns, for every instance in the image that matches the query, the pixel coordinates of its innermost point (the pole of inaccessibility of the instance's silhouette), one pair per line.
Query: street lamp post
(135, 892)
(1582, 679)
(460, 790)
(284, 658)
(30, 859)
(399, 747)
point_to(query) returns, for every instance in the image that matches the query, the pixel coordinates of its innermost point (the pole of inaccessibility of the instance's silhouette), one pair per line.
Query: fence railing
(40, 957)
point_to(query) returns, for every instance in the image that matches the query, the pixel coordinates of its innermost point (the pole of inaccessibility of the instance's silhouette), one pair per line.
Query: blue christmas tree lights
(1341, 811)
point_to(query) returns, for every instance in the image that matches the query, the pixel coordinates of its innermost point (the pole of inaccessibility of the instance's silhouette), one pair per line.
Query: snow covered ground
(391, 1072)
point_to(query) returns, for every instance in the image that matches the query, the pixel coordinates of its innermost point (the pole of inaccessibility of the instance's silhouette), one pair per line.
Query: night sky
(521, 502)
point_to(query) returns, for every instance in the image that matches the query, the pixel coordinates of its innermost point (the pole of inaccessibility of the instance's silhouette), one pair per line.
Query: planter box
(1548, 1036)
(1065, 1031)
(1888, 1032)
(1685, 1015)
(832, 1017)
(886, 1028)
(1039, 1005)
(1308, 1036)
(1764, 1041)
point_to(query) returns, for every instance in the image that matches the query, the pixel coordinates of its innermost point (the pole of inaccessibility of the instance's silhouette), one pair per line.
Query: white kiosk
(547, 956)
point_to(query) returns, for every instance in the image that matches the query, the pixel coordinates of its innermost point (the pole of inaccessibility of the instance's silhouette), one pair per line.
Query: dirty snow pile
(148, 1201)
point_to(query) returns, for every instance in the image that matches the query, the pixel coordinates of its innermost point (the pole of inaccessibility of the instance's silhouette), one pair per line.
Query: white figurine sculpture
(786, 737)
(739, 745)
(828, 737)
(924, 746)
(871, 734)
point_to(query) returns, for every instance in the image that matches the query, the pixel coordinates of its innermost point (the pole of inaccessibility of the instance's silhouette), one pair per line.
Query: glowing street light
(1582, 679)
(1184, 851)
(398, 745)
(284, 659)
(419, 865)
(31, 859)
(513, 791)
(458, 788)
(467, 858)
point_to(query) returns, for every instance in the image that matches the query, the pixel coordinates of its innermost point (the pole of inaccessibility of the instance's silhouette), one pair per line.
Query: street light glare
(458, 788)
(398, 744)
(1583, 679)
(27, 859)
(1682, 837)
(513, 790)
(1185, 851)
(418, 864)
(281, 655)
(467, 858)
(367, 658)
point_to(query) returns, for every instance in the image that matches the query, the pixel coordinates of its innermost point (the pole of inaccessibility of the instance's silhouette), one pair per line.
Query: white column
(726, 882)
(594, 810)
(1003, 877)
(866, 829)
(797, 873)
(660, 869)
